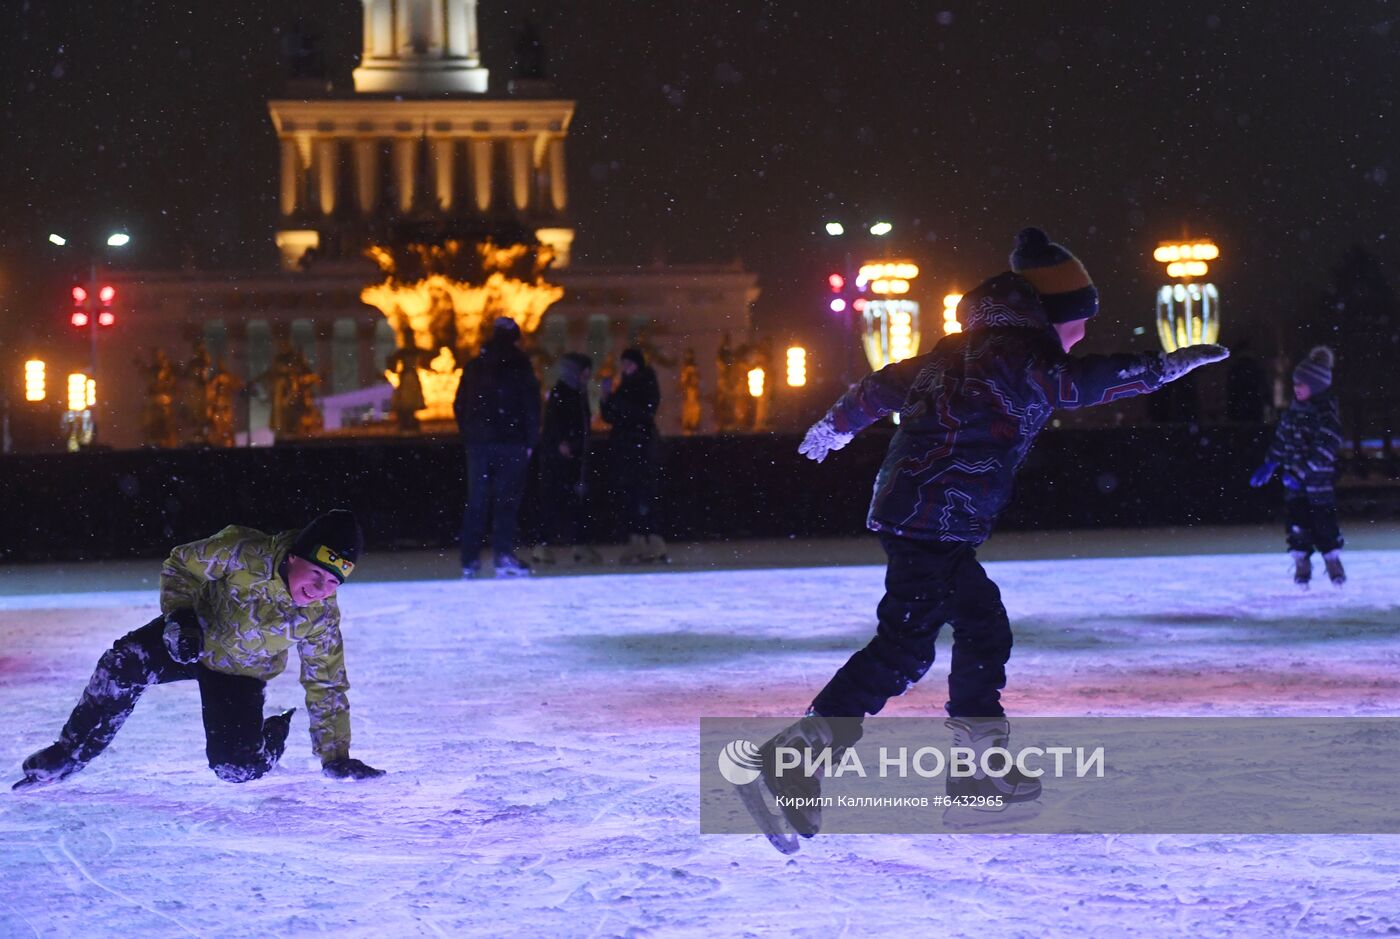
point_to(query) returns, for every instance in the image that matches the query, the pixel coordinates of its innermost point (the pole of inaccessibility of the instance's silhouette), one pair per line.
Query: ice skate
(49, 765)
(800, 810)
(275, 730)
(508, 565)
(981, 793)
(1302, 568)
(471, 569)
(1335, 572)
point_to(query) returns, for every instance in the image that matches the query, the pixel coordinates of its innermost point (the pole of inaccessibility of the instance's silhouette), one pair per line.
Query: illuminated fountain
(891, 322)
(442, 299)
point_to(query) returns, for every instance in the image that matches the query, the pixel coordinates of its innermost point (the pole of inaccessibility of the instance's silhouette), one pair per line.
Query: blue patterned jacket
(1306, 443)
(971, 408)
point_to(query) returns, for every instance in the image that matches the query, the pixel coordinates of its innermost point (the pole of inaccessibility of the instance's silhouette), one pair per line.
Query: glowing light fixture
(796, 367)
(35, 385)
(118, 240)
(891, 331)
(835, 228)
(57, 240)
(880, 229)
(1187, 312)
(756, 377)
(77, 392)
(838, 305)
(950, 314)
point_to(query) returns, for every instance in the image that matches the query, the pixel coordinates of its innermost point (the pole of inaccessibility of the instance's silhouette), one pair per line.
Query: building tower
(420, 152)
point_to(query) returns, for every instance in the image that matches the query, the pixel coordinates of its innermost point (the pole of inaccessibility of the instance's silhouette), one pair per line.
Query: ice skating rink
(541, 740)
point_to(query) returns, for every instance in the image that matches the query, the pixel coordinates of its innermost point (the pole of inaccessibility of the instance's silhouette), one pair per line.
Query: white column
(367, 175)
(481, 172)
(327, 173)
(456, 16)
(406, 171)
(403, 29)
(437, 28)
(473, 44)
(520, 172)
(444, 177)
(379, 29)
(558, 175)
(291, 176)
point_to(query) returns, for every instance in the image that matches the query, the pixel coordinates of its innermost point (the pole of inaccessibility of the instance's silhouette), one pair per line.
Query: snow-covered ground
(542, 736)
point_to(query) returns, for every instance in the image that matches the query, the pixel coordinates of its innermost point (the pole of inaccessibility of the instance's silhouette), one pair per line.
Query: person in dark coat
(498, 413)
(564, 436)
(1305, 445)
(631, 413)
(970, 410)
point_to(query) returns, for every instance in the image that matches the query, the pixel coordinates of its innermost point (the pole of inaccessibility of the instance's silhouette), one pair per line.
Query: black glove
(349, 768)
(184, 636)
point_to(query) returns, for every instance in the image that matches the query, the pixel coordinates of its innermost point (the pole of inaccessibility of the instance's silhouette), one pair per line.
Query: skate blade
(769, 820)
(33, 782)
(965, 817)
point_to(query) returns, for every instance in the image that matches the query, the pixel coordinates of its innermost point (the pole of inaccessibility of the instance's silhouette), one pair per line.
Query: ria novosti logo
(740, 763)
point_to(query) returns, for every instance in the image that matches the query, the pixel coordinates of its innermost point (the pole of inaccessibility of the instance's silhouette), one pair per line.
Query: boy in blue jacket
(969, 412)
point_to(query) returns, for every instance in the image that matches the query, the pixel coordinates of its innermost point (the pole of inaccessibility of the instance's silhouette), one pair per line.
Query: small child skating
(231, 608)
(1305, 446)
(970, 411)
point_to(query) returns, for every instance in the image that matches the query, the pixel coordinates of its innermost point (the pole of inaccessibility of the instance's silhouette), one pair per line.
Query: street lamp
(94, 303)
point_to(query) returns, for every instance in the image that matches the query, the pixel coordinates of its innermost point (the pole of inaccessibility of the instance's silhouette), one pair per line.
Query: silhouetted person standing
(563, 451)
(631, 412)
(498, 413)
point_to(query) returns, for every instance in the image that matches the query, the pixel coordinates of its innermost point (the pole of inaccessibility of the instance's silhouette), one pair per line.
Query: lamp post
(843, 283)
(93, 303)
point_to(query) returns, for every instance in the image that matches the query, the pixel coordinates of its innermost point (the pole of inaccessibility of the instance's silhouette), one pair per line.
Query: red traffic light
(107, 294)
(79, 318)
(79, 295)
(836, 281)
(106, 318)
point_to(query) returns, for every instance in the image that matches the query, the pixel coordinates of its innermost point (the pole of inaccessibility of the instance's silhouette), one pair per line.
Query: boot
(1302, 567)
(809, 736)
(542, 554)
(508, 565)
(275, 730)
(1335, 572)
(656, 547)
(980, 735)
(49, 765)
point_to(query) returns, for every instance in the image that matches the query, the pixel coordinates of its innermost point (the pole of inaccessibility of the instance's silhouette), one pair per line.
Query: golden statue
(158, 415)
(294, 382)
(690, 394)
(729, 388)
(220, 390)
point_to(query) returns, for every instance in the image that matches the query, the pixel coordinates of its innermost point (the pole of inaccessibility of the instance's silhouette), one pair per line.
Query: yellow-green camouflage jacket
(250, 622)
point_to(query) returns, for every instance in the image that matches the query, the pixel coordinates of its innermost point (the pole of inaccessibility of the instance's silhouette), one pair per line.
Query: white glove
(821, 439)
(1178, 363)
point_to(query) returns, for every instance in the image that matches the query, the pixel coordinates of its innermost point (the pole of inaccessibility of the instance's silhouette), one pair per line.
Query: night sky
(710, 131)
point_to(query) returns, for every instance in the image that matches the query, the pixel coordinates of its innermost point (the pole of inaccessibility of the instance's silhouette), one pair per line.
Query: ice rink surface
(541, 738)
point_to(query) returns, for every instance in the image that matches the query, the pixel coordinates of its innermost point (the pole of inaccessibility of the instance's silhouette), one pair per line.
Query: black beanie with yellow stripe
(1065, 290)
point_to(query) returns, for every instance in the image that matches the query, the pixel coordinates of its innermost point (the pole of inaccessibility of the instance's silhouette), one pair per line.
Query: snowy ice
(541, 738)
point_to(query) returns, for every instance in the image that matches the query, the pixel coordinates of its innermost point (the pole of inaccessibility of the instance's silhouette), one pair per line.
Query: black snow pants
(1311, 522)
(235, 741)
(927, 584)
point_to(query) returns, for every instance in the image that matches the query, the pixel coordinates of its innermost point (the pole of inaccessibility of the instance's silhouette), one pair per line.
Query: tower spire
(421, 47)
